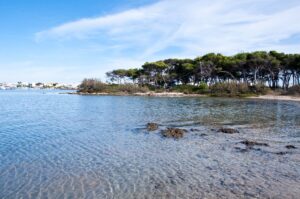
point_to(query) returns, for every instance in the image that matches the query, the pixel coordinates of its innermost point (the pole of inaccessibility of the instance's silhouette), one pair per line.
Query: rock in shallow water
(290, 147)
(228, 130)
(253, 143)
(152, 126)
(173, 133)
(282, 153)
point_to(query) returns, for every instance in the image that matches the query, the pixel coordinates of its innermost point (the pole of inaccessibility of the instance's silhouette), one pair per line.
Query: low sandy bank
(150, 94)
(177, 94)
(277, 97)
(168, 94)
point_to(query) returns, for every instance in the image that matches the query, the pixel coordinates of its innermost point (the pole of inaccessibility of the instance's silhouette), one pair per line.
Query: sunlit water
(68, 146)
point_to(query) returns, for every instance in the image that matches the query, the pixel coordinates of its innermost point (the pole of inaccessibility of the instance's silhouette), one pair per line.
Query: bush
(294, 90)
(260, 89)
(96, 86)
(203, 86)
(234, 89)
(127, 88)
(191, 89)
(92, 85)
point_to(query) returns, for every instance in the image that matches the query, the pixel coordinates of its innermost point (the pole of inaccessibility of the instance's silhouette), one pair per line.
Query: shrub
(129, 88)
(230, 89)
(96, 86)
(191, 89)
(260, 89)
(92, 85)
(203, 86)
(294, 90)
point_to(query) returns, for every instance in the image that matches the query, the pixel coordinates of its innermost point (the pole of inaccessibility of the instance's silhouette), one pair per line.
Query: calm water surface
(68, 146)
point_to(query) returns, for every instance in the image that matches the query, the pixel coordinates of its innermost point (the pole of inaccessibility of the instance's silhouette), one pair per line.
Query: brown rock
(152, 126)
(173, 133)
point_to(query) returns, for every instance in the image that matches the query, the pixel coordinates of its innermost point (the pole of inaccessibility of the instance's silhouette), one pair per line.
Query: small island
(260, 74)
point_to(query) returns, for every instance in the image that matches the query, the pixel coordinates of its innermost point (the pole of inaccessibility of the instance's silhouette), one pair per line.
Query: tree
(132, 74)
(117, 75)
(268, 68)
(155, 73)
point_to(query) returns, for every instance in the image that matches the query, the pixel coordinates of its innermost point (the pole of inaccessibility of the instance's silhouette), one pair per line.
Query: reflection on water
(66, 146)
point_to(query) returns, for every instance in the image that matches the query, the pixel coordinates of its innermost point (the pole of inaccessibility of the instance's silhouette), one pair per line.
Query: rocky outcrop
(173, 133)
(152, 126)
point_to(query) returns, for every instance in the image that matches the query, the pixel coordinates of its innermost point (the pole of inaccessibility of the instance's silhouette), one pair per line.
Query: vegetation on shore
(97, 86)
(242, 74)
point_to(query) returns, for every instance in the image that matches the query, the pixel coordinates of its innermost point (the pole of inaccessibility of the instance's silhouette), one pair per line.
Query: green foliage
(259, 89)
(233, 89)
(203, 86)
(126, 88)
(294, 90)
(92, 85)
(191, 89)
(96, 86)
(260, 69)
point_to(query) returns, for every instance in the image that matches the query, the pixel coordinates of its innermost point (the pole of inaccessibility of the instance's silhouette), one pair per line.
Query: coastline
(147, 94)
(169, 94)
(277, 97)
(178, 94)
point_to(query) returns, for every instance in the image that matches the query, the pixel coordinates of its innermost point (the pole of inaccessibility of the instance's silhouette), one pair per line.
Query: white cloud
(192, 26)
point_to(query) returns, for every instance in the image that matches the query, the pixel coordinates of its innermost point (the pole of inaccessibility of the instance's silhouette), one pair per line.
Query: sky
(68, 40)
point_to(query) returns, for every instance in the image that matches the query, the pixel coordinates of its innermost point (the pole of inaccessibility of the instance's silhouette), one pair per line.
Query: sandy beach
(150, 94)
(178, 94)
(169, 94)
(277, 97)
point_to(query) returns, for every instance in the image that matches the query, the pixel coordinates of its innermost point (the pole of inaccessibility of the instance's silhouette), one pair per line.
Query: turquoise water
(68, 146)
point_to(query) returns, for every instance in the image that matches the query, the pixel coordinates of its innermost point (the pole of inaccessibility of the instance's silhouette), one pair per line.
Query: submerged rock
(249, 145)
(173, 133)
(290, 147)
(281, 153)
(152, 126)
(241, 149)
(228, 130)
(253, 143)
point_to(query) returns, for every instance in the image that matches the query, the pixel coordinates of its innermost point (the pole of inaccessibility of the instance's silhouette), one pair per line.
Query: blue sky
(66, 41)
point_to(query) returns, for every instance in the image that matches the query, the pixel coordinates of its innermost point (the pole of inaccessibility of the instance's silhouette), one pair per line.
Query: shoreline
(148, 94)
(277, 97)
(177, 94)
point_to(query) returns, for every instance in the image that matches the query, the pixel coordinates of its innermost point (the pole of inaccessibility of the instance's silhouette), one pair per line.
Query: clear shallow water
(68, 146)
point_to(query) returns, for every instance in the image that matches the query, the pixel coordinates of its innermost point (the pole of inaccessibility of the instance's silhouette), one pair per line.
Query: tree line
(273, 69)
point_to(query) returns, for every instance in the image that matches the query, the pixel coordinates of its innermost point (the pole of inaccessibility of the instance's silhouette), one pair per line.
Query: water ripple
(67, 146)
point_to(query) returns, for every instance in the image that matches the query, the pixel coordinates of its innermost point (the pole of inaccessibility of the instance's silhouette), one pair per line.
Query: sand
(278, 97)
(177, 94)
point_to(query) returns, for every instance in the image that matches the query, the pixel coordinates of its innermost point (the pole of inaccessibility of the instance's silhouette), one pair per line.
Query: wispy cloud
(173, 28)
(194, 26)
